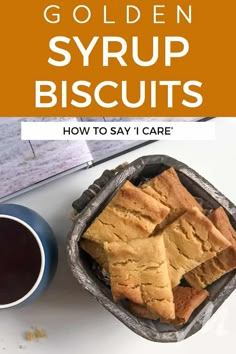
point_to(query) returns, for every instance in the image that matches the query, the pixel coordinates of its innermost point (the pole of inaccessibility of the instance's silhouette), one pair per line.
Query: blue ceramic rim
(42, 267)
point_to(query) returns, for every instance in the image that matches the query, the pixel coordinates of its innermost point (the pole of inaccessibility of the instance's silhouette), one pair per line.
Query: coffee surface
(20, 260)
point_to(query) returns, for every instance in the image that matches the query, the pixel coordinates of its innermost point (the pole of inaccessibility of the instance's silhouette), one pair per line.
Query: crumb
(21, 346)
(29, 336)
(35, 334)
(40, 333)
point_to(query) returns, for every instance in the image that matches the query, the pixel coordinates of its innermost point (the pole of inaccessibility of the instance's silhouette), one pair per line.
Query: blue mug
(46, 243)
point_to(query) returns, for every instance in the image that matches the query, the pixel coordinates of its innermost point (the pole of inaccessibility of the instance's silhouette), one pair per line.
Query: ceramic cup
(45, 247)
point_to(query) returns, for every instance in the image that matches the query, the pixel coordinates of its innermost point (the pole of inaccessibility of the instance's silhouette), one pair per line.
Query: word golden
(130, 14)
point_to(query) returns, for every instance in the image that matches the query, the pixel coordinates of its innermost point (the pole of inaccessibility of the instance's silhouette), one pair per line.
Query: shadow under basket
(82, 266)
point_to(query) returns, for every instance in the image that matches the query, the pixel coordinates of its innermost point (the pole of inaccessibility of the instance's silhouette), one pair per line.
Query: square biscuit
(186, 301)
(96, 251)
(142, 311)
(191, 240)
(139, 272)
(168, 190)
(223, 262)
(130, 214)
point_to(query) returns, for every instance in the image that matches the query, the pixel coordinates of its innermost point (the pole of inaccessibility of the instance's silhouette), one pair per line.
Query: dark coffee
(20, 260)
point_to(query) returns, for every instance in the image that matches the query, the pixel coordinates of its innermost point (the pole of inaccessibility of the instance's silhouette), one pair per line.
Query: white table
(74, 321)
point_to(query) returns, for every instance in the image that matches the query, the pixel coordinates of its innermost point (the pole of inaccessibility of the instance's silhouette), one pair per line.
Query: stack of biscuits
(149, 238)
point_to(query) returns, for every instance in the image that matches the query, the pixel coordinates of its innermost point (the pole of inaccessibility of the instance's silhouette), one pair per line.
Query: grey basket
(81, 265)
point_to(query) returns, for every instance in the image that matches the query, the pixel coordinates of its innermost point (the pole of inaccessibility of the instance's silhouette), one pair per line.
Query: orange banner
(117, 58)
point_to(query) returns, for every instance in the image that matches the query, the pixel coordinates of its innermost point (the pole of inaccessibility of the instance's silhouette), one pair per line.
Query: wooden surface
(25, 163)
